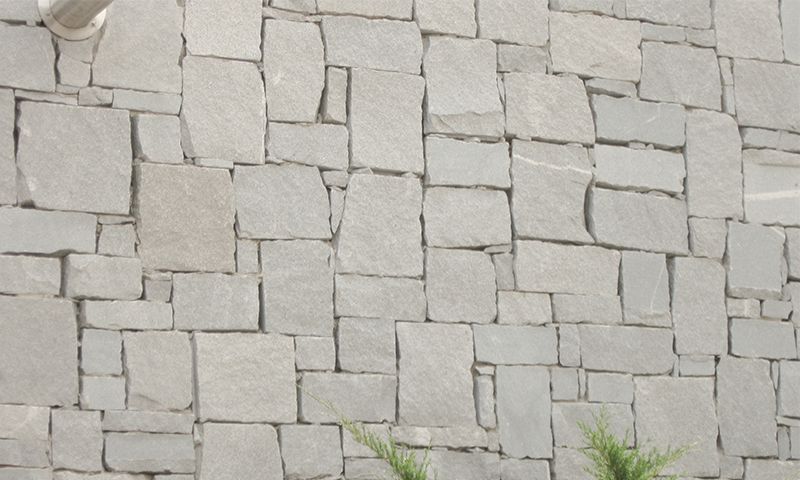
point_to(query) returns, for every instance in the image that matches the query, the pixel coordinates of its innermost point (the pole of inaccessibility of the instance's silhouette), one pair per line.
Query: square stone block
(240, 451)
(311, 451)
(366, 345)
(460, 286)
(159, 370)
(214, 301)
(460, 217)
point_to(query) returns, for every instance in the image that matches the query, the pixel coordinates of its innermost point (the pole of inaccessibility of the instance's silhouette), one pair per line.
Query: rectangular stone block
(456, 163)
(771, 192)
(564, 384)
(790, 23)
(567, 463)
(515, 345)
(37, 231)
(150, 102)
(644, 289)
(380, 297)
(689, 13)
(159, 370)
(77, 440)
(754, 261)
(780, 109)
(156, 138)
(744, 307)
(321, 145)
(523, 308)
(22, 275)
(707, 237)
(233, 33)
(662, 33)
(609, 388)
(28, 58)
(315, 353)
(640, 170)
(399, 9)
(225, 445)
(366, 345)
(760, 39)
(466, 466)
(569, 346)
(117, 241)
(120, 315)
(604, 7)
(566, 416)
(8, 168)
(762, 339)
(680, 74)
(460, 286)
(459, 217)
(623, 120)
(697, 366)
(484, 401)
(602, 309)
(699, 314)
(504, 271)
(334, 97)
(766, 469)
(614, 88)
(789, 389)
(452, 437)
(775, 309)
(521, 59)
(24, 422)
(523, 411)
(24, 453)
(153, 422)
(149, 452)
(96, 276)
(311, 451)
(636, 350)
(102, 393)
(362, 397)
(101, 352)
(213, 301)
(548, 267)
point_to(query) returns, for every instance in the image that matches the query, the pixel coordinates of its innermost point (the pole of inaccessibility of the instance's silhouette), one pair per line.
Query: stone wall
(473, 222)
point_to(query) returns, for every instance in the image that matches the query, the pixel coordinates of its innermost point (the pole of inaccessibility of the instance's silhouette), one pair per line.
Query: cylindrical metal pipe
(77, 13)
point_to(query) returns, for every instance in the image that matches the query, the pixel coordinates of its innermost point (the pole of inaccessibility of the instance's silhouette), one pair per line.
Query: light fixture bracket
(65, 32)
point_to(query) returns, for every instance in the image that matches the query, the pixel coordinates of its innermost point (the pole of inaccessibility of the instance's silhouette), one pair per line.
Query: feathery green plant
(611, 460)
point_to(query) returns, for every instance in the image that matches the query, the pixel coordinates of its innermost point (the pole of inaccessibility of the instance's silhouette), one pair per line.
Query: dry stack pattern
(476, 222)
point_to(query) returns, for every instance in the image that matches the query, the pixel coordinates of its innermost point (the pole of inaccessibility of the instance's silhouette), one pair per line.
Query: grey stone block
(311, 451)
(77, 440)
(163, 103)
(548, 191)
(790, 23)
(754, 108)
(117, 241)
(213, 301)
(156, 138)
(336, 196)
(770, 183)
(504, 272)
(794, 289)
(707, 237)
(24, 422)
(365, 468)
(240, 451)
(459, 217)
(614, 88)
(159, 370)
(24, 453)
(513, 21)
(101, 352)
(644, 289)
(121, 315)
(149, 38)
(789, 389)
(352, 448)
(334, 97)
(294, 70)
(484, 401)
(374, 44)
(102, 393)
(697, 366)
(28, 58)
(523, 308)
(744, 307)
(366, 345)
(449, 64)
(794, 439)
(234, 32)
(676, 411)
(548, 267)
(622, 120)
(640, 170)
(465, 466)
(363, 397)
(303, 6)
(96, 276)
(754, 261)
(605, 7)
(758, 137)
(746, 422)
(380, 233)
(568, 463)
(691, 13)
(569, 346)
(153, 422)
(759, 38)
(321, 145)
(20, 12)
(440, 396)
(789, 142)
(636, 350)
(246, 258)
(662, 33)
(24, 275)
(245, 377)
(515, 345)
(767, 469)
(609, 388)
(521, 59)
(762, 339)
(451, 162)
(223, 113)
(564, 384)
(452, 437)
(460, 286)
(380, 297)
(36, 231)
(602, 309)
(38, 351)
(523, 411)
(699, 314)
(399, 9)
(547, 107)
(314, 353)
(8, 167)
(149, 452)
(680, 74)
(567, 433)
(86, 151)
(776, 309)
(379, 140)
(731, 467)
(195, 233)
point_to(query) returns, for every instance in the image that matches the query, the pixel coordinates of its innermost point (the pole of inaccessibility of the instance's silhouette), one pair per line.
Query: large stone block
(595, 46)
(366, 345)
(23, 275)
(232, 32)
(515, 345)
(126, 315)
(147, 35)
(25, 230)
(380, 233)
(767, 94)
(8, 168)
(435, 382)
(240, 451)
(321, 145)
(150, 452)
(385, 121)
(363, 397)
(184, 218)
(454, 17)
(680, 74)
(754, 261)
(676, 411)
(567, 433)
(451, 67)
(748, 29)
(514, 21)
(789, 389)
(28, 57)
(374, 44)
(459, 217)
(623, 120)
(687, 13)
(639, 221)
(85, 151)
(456, 163)
(77, 440)
(460, 286)
(771, 187)
(644, 288)
(465, 466)
(747, 425)
(294, 70)
(699, 314)
(602, 309)
(713, 165)
(523, 411)
(311, 451)
(380, 297)
(636, 350)
(245, 378)
(159, 370)
(640, 170)
(97, 276)
(762, 339)
(297, 288)
(213, 301)
(553, 268)
(548, 191)
(547, 107)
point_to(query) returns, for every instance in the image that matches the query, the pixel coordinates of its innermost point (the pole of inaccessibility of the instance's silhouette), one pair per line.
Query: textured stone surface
(240, 451)
(762, 339)
(546, 267)
(697, 366)
(311, 451)
(523, 411)
(455, 17)
(196, 231)
(364, 398)
(754, 261)
(126, 315)
(314, 353)
(320, 145)
(452, 66)
(102, 393)
(644, 288)
(566, 416)
(523, 308)
(385, 121)
(564, 384)
(159, 370)
(515, 345)
(778, 109)
(466, 466)
(154, 422)
(568, 463)
(36, 231)
(101, 352)
(435, 397)
(96, 276)
(8, 169)
(603, 309)
(687, 13)
(294, 70)
(453, 437)
(156, 138)
(640, 221)
(366, 345)
(245, 377)
(748, 29)
(29, 275)
(334, 97)
(521, 58)
(399, 9)
(514, 21)
(117, 241)
(640, 170)
(24, 422)
(680, 74)
(699, 315)
(771, 182)
(149, 452)
(615, 88)
(93, 164)
(790, 23)
(609, 388)
(661, 33)
(485, 402)
(380, 233)
(23, 453)
(456, 163)
(789, 389)
(460, 286)
(213, 301)
(636, 350)
(234, 32)
(747, 425)
(548, 191)
(605, 7)
(707, 237)
(458, 217)
(374, 44)
(766, 469)
(77, 440)
(793, 252)
(377, 297)
(28, 57)
(164, 103)
(626, 119)
(595, 46)
(547, 107)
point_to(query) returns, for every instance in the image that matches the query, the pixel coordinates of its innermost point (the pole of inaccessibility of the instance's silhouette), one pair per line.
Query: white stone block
(687, 13)
(523, 411)
(321, 145)
(8, 168)
(790, 24)
(548, 191)
(456, 163)
(366, 345)
(23, 275)
(334, 97)
(699, 315)
(156, 138)
(523, 308)
(602, 309)
(626, 119)
(159, 370)
(636, 350)
(697, 366)
(644, 288)
(521, 58)
(779, 109)
(549, 267)
(771, 192)
(28, 57)
(398, 9)
(233, 32)
(149, 452)
(460, 217)
(754, 261)
(240, 451)
(380, 297)
(453, 17)
(311, 451)
(151, 102)
(762, 339)
(362, 397)
(640, 170)
(314, 353)
(748, 29)
(102, 393)
(460, 286)
(514, 21)
(609, 388)
(515, 345)
(77, 440)
(707, 237)
(566, 416)
(213, 301)
(96, 276)
(101, 352)
(153, 422)
(680, 74)
(24, 422)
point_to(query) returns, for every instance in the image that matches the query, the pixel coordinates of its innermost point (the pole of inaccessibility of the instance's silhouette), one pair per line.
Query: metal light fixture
(74, 19)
